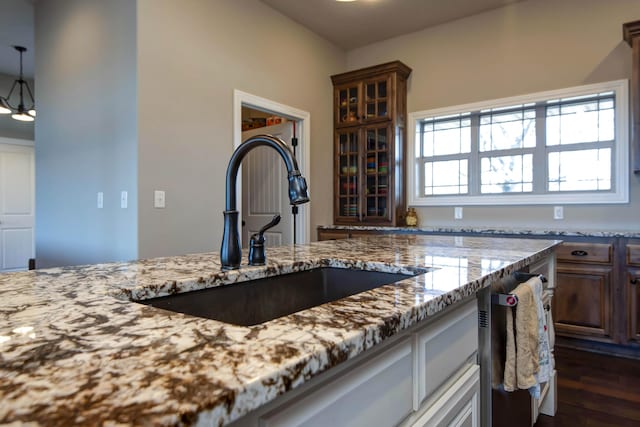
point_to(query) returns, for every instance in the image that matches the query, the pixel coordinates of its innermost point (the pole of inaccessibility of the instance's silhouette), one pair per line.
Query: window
(565, 146)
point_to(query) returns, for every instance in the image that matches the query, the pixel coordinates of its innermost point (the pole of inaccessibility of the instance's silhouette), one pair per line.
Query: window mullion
(419, 168)
(474, 156)
(540, 167)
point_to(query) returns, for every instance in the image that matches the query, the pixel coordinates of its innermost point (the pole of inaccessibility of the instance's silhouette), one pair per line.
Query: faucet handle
(256, 244)
(274, 221)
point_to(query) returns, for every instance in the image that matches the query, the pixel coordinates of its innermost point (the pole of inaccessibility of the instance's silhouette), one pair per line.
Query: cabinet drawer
(633, 255)
(377, 393)
(444, 347)
(459, 406)
(585, 252)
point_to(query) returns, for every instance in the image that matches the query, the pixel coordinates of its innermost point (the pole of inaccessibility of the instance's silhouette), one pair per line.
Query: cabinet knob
(579, 253)
(634, 281)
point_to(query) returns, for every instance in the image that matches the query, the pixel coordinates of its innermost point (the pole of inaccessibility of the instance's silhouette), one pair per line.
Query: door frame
(303, 120)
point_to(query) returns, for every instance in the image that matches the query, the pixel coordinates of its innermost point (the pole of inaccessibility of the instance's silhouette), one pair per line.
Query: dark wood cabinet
(586, 291)
(332, 235)
(632, 282)
(583, 303)
(369, 134)
(631, 34)
(633, 290)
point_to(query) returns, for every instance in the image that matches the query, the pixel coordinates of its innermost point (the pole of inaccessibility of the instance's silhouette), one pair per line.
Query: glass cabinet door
(378, 172)
(348, 190)
(376, 99)
(348, 98)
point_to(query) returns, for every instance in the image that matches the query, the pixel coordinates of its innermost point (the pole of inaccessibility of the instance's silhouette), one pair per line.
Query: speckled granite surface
(494, 231)
(75, 350)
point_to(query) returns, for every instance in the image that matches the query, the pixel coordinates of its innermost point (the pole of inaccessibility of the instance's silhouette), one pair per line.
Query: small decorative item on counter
(412, 218)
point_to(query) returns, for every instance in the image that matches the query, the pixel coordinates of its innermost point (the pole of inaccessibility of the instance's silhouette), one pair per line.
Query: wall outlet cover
(457, 212)
(558, 212)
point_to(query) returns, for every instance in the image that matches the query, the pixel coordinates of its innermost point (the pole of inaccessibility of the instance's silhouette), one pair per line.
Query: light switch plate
(100, 199)
(158, 199)
(123, 200)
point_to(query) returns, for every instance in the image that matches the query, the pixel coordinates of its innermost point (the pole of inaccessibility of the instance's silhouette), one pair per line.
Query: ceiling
(16, 28)
(346, 24)
(358, 23)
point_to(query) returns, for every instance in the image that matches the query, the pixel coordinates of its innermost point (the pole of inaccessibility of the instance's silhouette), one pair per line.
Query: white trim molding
(303, 118)
(16, 141)
(620, 171)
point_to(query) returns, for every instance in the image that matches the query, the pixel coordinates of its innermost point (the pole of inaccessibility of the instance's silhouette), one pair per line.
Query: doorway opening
(17, 204)
(263, 180)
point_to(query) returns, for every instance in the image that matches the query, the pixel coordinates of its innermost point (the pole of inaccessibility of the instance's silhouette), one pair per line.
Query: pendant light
(20, 112)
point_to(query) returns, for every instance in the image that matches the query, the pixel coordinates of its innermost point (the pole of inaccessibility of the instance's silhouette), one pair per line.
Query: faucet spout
(230, 251)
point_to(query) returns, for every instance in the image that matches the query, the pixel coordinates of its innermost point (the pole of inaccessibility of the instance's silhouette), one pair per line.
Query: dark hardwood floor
(595, 390)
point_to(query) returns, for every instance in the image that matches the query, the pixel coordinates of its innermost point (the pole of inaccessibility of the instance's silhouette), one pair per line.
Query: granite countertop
(75, 350)
(497, 231)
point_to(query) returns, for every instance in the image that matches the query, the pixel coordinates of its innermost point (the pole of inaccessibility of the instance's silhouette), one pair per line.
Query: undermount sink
(257, 301)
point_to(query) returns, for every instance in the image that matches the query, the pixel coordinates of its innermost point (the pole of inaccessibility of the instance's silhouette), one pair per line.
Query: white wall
(85, 132)
(526, 47)
(191, 56)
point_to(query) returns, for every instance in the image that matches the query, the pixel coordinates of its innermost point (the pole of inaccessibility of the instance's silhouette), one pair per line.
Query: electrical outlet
(100, 199)
(123, 200)
(457, 212)
(558, 212)
(158, 199)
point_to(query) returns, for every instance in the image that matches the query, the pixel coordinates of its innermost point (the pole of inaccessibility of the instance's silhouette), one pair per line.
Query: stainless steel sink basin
(257, 301)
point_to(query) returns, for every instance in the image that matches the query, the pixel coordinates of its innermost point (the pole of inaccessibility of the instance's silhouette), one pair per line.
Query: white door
(265, 189)
(17, 198)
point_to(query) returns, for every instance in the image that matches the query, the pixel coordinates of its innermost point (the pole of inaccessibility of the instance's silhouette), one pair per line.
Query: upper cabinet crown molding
(630, 30)
(398, 67)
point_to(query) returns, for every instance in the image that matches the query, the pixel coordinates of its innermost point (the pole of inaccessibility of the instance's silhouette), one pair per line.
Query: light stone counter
(489, 231)
(75, 350)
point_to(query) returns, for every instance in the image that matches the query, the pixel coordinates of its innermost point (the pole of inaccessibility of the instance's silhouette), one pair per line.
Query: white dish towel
(545, 357)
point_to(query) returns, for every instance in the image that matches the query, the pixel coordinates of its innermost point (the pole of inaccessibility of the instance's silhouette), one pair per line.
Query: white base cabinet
(426, 376)
(459, 406)
(373, 394)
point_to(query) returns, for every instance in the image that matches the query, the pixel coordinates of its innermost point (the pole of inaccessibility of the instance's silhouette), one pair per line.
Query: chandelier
(19, 112)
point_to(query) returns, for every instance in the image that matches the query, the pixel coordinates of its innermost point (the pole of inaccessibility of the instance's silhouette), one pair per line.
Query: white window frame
(620, 172)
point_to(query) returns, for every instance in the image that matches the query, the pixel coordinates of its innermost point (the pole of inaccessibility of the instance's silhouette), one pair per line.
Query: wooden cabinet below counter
(332, 235)
(632, 282)
(584, 296)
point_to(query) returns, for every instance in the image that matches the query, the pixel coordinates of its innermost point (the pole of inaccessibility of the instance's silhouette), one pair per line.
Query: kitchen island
(75, 349)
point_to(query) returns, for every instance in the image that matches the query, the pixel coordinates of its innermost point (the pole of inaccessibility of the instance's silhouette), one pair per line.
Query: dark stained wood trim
(403, 71)
(631, 34)
(630, 30)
